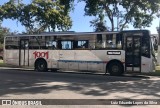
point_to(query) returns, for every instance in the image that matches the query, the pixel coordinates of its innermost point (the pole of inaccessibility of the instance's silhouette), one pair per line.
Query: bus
(115, 53)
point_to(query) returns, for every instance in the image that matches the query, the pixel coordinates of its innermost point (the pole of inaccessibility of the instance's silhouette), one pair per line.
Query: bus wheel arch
(40, 65)
(115, 68)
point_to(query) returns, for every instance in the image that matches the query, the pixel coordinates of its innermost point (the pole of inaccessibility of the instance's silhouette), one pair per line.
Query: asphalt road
(27, 84)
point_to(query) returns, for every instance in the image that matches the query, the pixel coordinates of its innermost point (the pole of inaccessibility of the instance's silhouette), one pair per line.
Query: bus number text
(41, 54)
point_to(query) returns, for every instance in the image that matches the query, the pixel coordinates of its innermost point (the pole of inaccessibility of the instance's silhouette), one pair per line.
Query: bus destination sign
(113, 52)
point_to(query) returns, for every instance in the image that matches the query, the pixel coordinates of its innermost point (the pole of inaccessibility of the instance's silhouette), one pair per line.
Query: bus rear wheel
(41, 66)
(115, 69)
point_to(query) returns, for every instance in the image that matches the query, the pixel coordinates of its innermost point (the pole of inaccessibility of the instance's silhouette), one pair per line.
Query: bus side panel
(73, 65)
(66, 58)
(63, 65)
(91, 60)
(96, 59)
(106, 58)
(95, 66)
(51, 57)
(82, 66)
(88, 61)
(146, 65)
(12, 57)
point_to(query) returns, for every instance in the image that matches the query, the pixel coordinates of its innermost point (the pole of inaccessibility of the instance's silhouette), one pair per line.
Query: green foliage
(1, 46)
(8, 10)
(139, 13)
(99, 24)
(3, 32)
(52, 14)
(69, 5)
(39, 15)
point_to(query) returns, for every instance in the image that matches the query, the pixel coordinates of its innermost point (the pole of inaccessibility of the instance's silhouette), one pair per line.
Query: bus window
(145, 47)
(114, 41)
(12, 43)
(83, 44)
(24, 44)
(37, 42)
(51, 44)
(119, 41)
(66, 44)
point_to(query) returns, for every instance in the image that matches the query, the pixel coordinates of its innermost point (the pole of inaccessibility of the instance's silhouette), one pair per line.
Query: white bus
(115, 53)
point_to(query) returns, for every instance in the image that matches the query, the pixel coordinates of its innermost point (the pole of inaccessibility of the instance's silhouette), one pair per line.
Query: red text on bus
(41, 54)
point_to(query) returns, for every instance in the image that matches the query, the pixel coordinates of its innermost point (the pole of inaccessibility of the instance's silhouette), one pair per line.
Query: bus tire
(115, 68)
(41, 65)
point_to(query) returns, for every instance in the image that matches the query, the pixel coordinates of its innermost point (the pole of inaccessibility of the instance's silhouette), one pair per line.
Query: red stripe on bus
(105, 62)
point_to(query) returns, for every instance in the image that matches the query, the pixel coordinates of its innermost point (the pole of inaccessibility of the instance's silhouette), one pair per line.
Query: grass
(2, 64)
(157, 73)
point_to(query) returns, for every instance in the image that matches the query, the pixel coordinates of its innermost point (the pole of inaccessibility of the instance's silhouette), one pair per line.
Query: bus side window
(145, 47)
(109, 38)
(53, 47)
(119, 41)
(83, 44)
(113, 41)
(51, 44)
(59, 44)
(12, 43)
(67, 46)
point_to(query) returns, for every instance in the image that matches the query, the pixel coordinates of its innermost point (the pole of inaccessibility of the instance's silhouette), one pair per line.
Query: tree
(99, 23)
(39, 15)
(3, 32)
(139, 13)
(52, 14)
(69, 5)
(158, 30)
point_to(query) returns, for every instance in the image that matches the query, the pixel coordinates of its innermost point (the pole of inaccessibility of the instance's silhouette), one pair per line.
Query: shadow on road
(19, 82)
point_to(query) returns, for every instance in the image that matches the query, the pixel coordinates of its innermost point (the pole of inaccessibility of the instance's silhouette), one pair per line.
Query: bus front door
(24, 52)
(133, 54)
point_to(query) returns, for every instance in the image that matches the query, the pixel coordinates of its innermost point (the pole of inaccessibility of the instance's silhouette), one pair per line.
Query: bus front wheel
(115, 69)
(41, 66)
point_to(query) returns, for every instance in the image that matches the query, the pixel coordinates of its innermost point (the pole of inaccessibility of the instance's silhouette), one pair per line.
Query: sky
(80, 22)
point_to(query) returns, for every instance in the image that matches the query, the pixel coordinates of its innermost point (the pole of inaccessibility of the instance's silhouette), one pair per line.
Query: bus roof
(72, 33)
(62, 34)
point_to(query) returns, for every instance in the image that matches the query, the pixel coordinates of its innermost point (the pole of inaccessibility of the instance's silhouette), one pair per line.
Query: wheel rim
(41, 66)
(115, 69)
